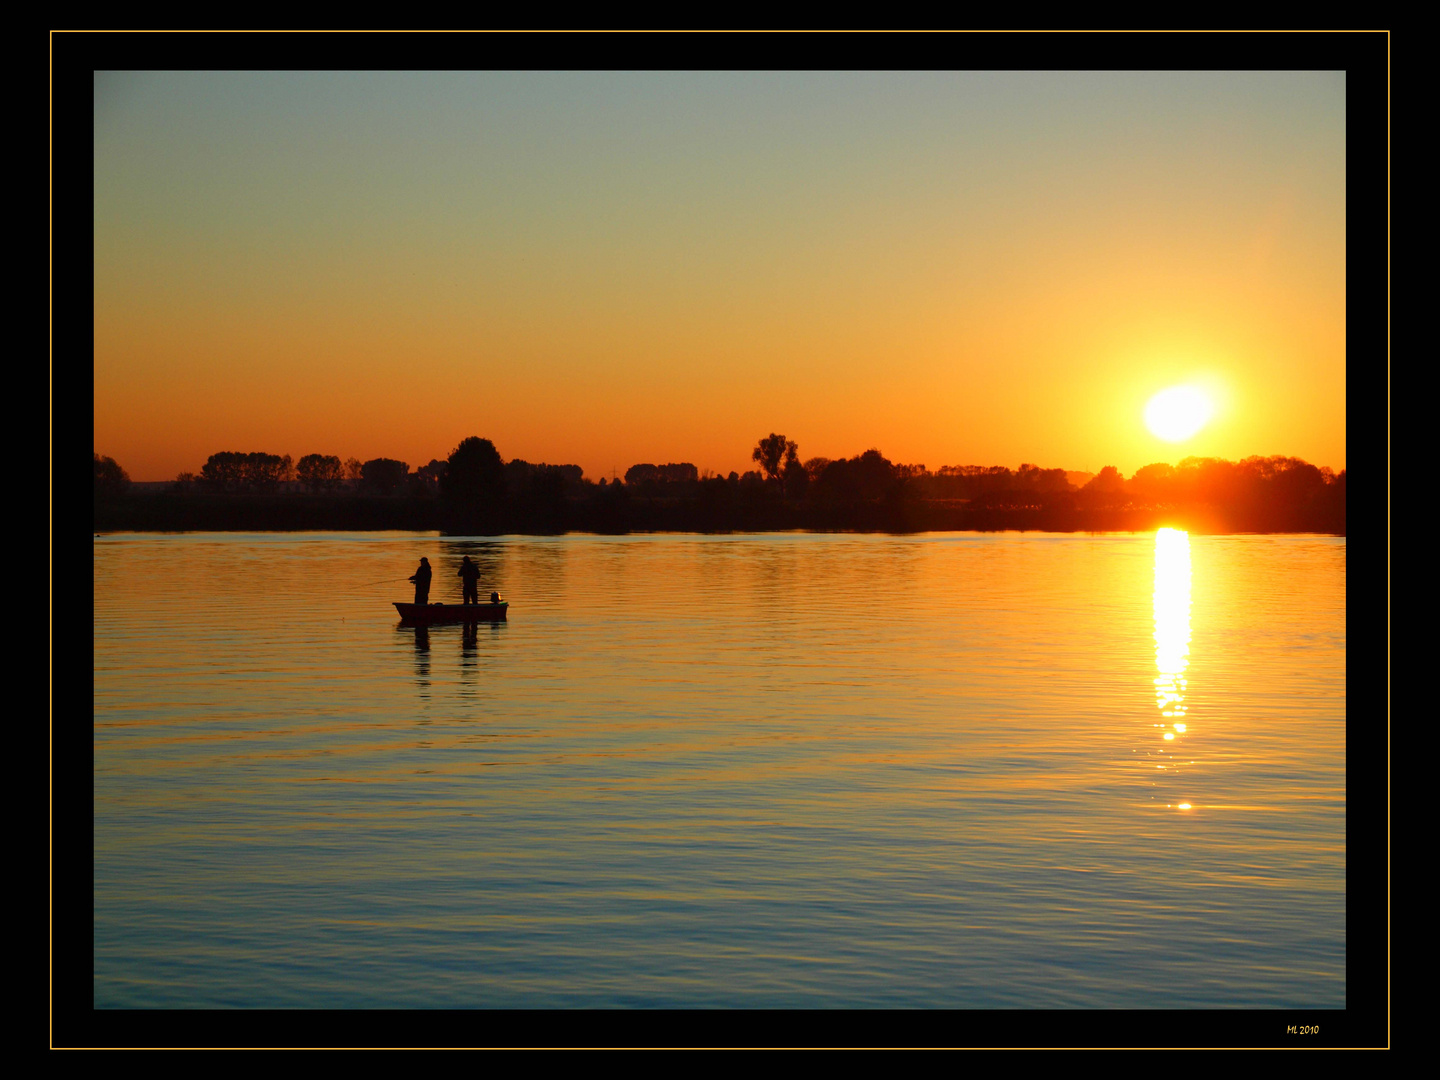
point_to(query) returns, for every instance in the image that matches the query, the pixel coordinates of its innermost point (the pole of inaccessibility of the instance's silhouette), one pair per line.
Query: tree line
(475, 490)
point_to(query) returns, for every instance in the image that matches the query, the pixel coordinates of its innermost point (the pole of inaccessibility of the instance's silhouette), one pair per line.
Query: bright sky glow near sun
(605, 269)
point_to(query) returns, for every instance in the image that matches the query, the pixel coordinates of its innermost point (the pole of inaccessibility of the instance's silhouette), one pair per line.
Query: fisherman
(421, 577)
(470, 581)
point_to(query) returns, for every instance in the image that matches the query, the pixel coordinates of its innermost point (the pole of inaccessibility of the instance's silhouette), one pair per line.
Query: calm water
(963, 770)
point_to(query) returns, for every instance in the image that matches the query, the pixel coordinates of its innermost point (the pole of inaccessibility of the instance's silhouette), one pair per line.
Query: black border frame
(1364, 55)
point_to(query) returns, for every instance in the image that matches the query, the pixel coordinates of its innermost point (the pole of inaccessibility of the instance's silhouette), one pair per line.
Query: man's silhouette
(421, 577)
(470, 581)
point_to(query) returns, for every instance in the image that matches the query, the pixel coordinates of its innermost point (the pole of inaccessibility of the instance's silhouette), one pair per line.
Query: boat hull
(452, 613)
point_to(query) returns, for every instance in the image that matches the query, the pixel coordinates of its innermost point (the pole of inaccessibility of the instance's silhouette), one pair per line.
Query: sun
(1178, 413)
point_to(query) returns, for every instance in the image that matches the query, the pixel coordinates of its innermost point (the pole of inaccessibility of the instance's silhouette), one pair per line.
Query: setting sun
(1178, 413)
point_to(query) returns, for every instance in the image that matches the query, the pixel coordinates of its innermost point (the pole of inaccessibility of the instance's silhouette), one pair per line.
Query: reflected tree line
(475, 491)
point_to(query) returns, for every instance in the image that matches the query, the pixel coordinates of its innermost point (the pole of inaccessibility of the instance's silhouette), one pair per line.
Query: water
(751, 771)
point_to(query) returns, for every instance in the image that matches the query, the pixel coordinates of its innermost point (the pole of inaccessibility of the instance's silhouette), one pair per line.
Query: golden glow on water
(1172, 621)
(1172, 630)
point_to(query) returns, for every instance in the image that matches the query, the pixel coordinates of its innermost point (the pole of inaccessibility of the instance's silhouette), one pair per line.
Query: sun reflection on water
(1172, 633)
(1172, 622)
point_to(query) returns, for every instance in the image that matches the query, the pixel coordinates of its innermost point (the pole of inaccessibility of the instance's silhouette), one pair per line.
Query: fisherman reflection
(421, 578)
(422, 660)
(470, 581)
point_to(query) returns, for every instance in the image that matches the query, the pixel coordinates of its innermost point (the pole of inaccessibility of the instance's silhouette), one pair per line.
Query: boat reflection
(474, 643)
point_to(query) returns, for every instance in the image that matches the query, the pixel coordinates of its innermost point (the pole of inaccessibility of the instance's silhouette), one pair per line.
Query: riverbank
(617, 511)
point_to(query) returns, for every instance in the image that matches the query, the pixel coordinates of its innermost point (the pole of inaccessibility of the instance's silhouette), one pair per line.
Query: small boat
(450, 613)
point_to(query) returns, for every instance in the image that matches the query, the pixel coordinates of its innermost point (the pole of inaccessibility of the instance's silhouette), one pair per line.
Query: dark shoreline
(195, 512)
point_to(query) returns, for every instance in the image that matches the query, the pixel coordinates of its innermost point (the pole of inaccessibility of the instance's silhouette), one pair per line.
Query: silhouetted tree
(875, 472)
(474, 473)
(352, 470)
(231, 471)
(815, 466)
(1153, 483)
(674, 472)
(986, 483)
(1335, 500)
(110, 479)
(795, 475)
(868, 477)
(522, 476)
(425, 480)
(224, 471)
(385, 475)
(1293, 483)
(517, 474)
(265, 472)
(1107, 481)
(1210, 481)
(1032, 478)
(320, 472)
(1105, 491)
(769, 452)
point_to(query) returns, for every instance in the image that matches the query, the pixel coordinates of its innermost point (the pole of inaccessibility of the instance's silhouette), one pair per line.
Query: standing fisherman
(421, 577)
(470, 579)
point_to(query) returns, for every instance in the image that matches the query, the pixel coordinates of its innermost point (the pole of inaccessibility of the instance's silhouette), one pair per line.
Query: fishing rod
(382, 581)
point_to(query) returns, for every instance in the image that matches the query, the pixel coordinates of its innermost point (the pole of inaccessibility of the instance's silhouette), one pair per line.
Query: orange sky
(605, 269)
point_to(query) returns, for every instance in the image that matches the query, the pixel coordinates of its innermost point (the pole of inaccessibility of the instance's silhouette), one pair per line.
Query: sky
(603, 269)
